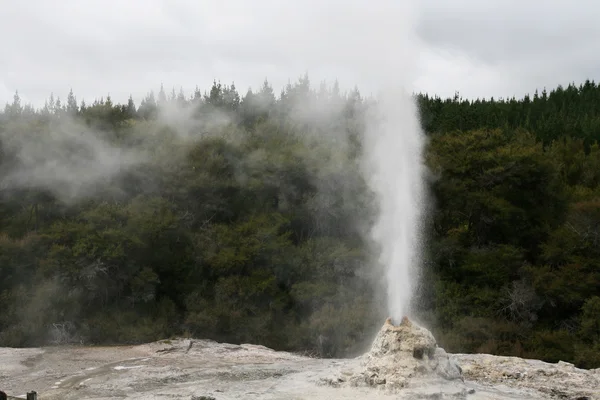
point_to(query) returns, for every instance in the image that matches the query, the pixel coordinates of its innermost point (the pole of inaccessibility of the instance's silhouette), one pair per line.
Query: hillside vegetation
(244, 219)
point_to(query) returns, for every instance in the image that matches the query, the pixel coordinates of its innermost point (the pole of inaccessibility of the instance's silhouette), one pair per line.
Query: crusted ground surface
(184, 369)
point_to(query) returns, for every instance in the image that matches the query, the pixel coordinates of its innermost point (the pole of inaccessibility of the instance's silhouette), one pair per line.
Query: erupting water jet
(394, 156)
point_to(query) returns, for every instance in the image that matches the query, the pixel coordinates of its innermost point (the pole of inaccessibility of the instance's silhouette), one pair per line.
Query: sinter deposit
(404, 363)
(403, 353)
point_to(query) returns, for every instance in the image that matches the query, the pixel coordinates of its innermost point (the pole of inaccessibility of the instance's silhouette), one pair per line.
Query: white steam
(393, 158)
(73, 161)
(67, 159)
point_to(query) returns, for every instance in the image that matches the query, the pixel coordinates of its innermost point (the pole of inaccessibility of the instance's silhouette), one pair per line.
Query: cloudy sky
(481, 48)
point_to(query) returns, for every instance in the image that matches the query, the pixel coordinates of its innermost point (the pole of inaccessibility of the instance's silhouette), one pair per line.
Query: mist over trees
(242, 218)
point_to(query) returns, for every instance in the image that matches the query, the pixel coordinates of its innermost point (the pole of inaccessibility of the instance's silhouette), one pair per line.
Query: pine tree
(181, 100)
(72, 108)
(130, 110)
(162, 97)
(51, 104)
(15, 109)
(58, 107)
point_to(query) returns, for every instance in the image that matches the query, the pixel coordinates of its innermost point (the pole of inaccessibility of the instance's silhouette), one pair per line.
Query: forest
(243, 219)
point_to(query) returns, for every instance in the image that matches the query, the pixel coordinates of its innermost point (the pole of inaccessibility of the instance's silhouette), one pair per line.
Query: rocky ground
(404, 362)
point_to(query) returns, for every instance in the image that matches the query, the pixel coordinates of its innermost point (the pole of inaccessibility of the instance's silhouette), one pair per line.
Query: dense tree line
(242, 219)
(562, 112)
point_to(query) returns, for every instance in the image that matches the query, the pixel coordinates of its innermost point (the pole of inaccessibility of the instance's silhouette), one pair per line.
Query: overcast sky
(485, 48)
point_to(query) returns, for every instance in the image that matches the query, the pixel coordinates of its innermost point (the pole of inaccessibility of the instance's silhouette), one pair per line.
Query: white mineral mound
(406, 355)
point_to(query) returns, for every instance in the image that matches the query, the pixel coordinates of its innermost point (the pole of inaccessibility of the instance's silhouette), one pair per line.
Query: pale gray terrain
(187, 369)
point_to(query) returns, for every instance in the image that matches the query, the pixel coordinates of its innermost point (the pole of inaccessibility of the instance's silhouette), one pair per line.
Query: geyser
(394, 157)
(394, 142)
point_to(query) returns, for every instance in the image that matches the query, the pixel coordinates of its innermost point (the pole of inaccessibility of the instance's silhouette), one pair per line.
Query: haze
(493, 48)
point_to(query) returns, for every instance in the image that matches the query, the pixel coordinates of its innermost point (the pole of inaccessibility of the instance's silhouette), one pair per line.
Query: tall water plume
(393, 157)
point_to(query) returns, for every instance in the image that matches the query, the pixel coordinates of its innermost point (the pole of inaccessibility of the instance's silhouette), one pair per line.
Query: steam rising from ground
(68, 159)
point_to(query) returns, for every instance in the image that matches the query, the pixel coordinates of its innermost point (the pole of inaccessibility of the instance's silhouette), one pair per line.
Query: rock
(561, 380)
(405, 353)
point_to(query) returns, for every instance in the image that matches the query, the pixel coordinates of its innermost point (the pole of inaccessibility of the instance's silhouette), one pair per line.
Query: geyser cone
(405, 353)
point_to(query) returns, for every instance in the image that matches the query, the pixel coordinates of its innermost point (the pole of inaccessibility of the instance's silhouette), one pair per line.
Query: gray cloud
(500, 31)
(516, 45)
(486, 48)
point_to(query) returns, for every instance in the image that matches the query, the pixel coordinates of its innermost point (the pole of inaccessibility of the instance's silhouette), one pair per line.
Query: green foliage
(514, 237)
(570, 111)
